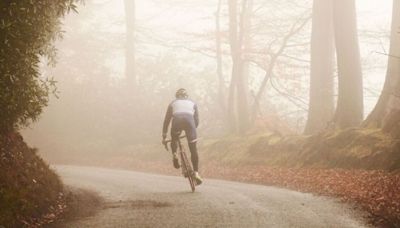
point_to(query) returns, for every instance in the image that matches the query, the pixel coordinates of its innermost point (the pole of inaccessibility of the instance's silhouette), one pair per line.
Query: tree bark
(221, 83)
(247, 15)
(242, 78)
(389, 100)
(233, 42)
(349, 111)
(321, 103)
(237, 101)
(130, 62)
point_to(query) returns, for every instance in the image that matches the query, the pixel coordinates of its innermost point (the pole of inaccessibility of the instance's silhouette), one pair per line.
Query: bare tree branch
(295, 28)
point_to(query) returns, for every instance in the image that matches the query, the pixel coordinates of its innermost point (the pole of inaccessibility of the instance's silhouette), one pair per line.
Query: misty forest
(290, 108)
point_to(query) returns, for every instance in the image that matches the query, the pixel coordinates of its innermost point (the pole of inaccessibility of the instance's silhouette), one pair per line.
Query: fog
(100, 108)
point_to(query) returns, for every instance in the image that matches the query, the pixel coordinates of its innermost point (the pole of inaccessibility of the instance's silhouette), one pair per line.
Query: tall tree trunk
(239, 112)
(130, 69)
(321, 104)
(349, 111)
(243, 83)
(221, 83)
(235, 53)
(389, 101)
(242, 98)
(247, 8)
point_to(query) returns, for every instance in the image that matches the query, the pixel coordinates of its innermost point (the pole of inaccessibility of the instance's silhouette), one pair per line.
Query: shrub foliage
(28, 29)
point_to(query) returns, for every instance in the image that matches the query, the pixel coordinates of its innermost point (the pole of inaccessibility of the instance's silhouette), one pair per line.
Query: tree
(130, 63)
(237, 101)
(27, 33)
(389, 100)
(246, 28)
(349, 110)
(321, 105)
(218, 53)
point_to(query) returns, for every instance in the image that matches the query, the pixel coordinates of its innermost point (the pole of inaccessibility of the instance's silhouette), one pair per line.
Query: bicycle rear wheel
(188, 170)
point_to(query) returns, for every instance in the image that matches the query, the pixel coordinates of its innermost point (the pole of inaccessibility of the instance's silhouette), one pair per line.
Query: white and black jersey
(184, 115)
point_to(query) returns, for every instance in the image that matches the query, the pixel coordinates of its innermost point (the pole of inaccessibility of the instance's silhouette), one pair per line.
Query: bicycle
(187, 169)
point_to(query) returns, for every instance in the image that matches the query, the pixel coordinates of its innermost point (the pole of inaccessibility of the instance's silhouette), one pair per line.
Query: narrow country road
(135, 199)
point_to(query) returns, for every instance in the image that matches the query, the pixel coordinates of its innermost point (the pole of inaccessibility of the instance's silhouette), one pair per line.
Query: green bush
(28, 29)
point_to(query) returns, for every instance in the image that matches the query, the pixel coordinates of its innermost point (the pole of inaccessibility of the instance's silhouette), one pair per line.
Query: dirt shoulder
(80, 203)
(375, 192)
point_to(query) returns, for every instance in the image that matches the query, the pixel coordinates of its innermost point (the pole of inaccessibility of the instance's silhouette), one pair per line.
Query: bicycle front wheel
(188, 170)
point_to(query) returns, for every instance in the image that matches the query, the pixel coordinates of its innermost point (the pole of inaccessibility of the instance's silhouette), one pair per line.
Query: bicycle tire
(188, 170)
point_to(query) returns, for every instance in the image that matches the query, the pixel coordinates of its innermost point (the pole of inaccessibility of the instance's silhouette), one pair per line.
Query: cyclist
(185, 117)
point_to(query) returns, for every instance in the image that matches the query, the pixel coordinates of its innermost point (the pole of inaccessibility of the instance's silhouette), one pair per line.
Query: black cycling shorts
(183, 122)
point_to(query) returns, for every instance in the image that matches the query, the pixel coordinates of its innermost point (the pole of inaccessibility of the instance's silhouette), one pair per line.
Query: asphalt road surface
(134, 199)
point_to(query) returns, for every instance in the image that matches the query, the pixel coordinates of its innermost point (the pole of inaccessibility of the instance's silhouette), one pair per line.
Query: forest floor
(370, 149)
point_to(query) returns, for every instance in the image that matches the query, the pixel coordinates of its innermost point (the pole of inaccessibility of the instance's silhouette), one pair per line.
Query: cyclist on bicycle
(185, 117)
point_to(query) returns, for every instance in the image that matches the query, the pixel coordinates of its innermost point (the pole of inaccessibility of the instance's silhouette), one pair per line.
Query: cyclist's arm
(196, 115)
(167, 119)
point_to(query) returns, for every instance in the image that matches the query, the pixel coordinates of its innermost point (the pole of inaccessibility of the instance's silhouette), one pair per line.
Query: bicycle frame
(186, 167)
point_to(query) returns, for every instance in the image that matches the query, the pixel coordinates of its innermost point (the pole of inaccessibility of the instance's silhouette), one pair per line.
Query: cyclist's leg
(174, 143)
(175, 132)
(191, 134)
(194, 156)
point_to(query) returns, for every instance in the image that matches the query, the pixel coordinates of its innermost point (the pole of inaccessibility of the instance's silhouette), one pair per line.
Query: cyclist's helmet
(181, 93)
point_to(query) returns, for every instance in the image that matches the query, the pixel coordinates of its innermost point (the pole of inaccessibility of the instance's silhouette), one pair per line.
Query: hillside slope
(349, 149)
(30, 192)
